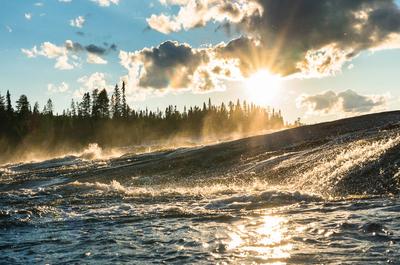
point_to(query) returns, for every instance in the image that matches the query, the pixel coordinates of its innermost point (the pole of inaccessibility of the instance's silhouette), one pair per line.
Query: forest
(110, 122)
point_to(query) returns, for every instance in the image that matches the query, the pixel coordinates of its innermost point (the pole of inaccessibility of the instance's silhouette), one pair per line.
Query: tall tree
(125, 110)
(86, 105)
(116, 103)
(36, 109)
(95, 103)
(48, 108)
(9, 107)
(103, 104)
(23, 107)
(73, 108)
(2, 104)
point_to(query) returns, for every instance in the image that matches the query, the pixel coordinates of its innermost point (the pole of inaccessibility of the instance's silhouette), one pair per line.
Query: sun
(263, 87)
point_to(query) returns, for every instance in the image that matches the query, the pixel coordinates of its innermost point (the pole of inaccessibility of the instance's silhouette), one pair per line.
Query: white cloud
(52, 51)
(194, 13)
(174, 2)
(39, 4)
(77, 22)
(95, 59)
(61, 88)
(28, 16)
(325, 61)
(66, 56)
(62, 63)
(9, 29)
(96, 80)
(65, 1)
(106, 3)
(345, 102)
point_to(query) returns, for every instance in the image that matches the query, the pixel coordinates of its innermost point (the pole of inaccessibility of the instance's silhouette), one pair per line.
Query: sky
(318, 60)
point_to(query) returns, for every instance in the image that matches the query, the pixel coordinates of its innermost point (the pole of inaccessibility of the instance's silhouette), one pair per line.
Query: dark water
(331, 202)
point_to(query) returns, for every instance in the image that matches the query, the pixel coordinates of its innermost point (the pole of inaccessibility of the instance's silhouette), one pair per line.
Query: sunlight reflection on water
(263, 238)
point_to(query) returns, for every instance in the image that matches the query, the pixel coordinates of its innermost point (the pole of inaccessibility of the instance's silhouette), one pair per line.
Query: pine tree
(36, 108)
(48, 108)
(9, 107)
(116, 103)
(23, 107)
(2, 104)
(86, 105)
(73, 108)
(103, 104)
(95, 103)
(124, 105)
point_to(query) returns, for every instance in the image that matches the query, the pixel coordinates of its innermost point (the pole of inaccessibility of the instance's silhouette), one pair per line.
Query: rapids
(320, 194)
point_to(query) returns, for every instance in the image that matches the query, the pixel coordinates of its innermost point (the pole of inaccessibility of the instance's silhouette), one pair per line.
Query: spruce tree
(116, 103)
(86, 105)
(48, 108)
(124, 105)
(103, 104)
(2, 104)
(23, 107)
(36, 108)
(9, 107)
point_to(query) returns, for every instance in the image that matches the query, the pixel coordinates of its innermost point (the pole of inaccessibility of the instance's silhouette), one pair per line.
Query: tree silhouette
(48, 108)
(9, 107)
(103, 104)
(23, 107)
(112, 123)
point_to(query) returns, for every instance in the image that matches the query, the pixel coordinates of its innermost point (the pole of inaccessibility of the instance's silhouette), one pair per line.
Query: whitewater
(320, 194)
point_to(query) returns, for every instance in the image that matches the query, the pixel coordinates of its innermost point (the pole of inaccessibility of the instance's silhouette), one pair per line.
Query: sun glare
(262, 87)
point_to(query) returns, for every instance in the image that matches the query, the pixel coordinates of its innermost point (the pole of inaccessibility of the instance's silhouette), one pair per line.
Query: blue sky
(371, 76)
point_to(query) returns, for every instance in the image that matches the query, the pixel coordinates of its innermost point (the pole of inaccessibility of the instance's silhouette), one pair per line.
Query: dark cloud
(314, 37)
(169, 65)
(95, 49)
(91, 48)
(347, 101)
(286, 37)
(287, 30)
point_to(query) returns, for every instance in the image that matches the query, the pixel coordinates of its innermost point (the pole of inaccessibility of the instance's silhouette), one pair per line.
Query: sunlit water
(59, 212)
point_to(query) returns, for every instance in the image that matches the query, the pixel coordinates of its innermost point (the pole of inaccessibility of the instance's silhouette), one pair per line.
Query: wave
(355, 156)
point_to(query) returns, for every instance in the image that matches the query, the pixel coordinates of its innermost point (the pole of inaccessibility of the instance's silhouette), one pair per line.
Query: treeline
(109, 121)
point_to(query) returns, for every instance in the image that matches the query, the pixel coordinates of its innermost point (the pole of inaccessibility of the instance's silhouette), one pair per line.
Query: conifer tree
(124, 104)
(48, 108)
(2, 104)
(86, 105)
(103, 104)
(116, 103)
(73, 108)
(36, 109)
(9, 107)
(23, 107)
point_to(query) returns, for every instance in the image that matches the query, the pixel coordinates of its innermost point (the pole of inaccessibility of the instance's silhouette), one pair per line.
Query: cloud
(96, 80)
(176, 66)
(345, 102)
(95, 59)
(61, 88)
(106, 3)
(304, 37)
(194, 13)
(65, 1)
(66, 56)
(51, 51)
(28, 16)
(77, 22)
(9, 29)
(40, 4)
